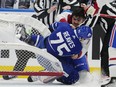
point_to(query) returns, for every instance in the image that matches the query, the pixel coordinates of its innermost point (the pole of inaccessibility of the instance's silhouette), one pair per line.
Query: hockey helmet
(84, 32)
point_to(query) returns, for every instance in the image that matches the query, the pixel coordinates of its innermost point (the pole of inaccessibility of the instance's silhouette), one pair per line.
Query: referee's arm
(42, 11)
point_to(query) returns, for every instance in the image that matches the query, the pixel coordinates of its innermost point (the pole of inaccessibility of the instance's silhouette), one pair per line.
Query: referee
(46, 10)
(109, 9)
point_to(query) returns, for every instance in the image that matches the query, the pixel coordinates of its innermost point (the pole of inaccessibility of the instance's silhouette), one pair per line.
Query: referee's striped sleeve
(41, 7)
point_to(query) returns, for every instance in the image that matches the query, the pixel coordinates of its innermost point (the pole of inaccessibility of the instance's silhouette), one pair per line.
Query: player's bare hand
(75, 56)
(53, 8)
(66, 7)
(84, 6)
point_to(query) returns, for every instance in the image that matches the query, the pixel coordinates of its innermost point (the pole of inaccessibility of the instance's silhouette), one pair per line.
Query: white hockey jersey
(66, 17)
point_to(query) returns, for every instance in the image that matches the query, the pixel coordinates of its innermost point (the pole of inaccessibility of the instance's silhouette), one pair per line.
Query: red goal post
(22, 73)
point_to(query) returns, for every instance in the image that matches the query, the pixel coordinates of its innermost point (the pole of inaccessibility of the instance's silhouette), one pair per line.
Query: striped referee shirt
(105, 23)
(41, 7)
(110, 9)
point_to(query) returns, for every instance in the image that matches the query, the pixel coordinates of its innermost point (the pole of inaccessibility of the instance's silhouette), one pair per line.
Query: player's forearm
(43, 14)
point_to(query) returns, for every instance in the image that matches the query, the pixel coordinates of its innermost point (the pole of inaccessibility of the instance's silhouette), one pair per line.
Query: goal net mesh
(16, 55)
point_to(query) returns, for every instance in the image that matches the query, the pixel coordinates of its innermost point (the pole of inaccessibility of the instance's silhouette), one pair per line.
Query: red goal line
(31, 73)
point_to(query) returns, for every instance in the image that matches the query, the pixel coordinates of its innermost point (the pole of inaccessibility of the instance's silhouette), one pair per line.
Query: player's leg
(81, 65)
(69, 68)
(111, 60)
(105, 60)
(112, 52)
(21, 62)
(71, 79)
(74, 77)
(78, 70)
(34, 40)
(43, 79)
(112, 68)
(49, 67)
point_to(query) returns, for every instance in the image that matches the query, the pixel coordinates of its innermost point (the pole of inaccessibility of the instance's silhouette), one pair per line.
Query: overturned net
(18, 58)
(47, 61)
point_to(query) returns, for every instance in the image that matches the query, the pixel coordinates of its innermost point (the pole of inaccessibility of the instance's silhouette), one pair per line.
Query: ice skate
(44, 79)
(112, 83)
(8, 77)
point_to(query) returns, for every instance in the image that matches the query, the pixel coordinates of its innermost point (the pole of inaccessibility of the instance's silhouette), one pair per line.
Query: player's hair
(79, 12)
(84, 1)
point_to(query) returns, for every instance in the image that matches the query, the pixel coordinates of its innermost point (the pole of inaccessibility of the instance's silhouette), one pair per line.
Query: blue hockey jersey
(63, 41)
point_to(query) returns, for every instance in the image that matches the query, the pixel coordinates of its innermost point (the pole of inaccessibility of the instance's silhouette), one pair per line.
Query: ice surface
(24, 83)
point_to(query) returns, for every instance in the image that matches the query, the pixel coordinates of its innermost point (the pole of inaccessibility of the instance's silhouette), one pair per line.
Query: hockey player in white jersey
(71, 17)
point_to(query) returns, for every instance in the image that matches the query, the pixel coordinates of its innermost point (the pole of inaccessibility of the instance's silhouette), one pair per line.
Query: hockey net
(19, 58)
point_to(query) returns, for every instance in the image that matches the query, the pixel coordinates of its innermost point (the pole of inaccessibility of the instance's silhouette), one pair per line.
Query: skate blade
(105, 80)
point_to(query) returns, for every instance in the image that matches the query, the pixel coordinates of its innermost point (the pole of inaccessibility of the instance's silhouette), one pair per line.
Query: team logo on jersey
(89, 34)
(74, 36)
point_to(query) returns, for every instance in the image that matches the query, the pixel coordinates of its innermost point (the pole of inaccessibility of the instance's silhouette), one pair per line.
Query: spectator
(7, 3)
(24, 4)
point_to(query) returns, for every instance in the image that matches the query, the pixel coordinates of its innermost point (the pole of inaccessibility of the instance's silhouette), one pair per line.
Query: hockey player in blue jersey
(65, 44)
(69, 45)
